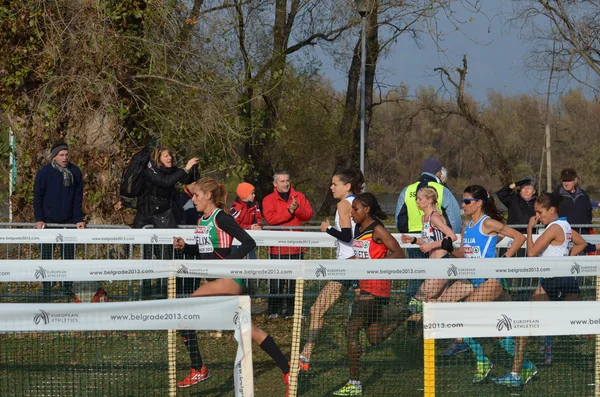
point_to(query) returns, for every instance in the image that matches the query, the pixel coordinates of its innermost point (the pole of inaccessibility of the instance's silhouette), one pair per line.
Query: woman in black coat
(160, 179)
(156, 206)
(519, 197)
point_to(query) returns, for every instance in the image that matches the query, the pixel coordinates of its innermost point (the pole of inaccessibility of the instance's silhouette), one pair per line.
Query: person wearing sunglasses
(480, 235)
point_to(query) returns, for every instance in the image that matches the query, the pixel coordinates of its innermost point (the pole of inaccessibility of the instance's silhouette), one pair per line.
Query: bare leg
(364, 306)
(328, 296)
(489, 291)
(389, 320)
(219, 287)
(456, 292)
(430, 289)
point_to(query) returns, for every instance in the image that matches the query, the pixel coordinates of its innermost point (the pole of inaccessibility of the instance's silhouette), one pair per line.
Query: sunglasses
(468, 201)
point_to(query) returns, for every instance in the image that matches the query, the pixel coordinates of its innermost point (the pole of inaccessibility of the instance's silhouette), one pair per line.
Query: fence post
(429, 367)
(296, 333)
(597, 366)
(172, 342)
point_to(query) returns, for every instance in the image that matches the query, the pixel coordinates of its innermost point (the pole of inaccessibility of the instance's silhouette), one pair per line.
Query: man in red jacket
(284, 207)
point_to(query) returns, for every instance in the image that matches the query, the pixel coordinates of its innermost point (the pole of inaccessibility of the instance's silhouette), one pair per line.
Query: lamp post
(362, 8)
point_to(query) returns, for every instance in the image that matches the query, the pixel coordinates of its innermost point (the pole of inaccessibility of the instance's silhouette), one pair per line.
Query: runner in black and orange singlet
(371, 310)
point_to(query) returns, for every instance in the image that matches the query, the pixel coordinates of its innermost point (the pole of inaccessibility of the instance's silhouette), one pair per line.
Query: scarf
(67, 175)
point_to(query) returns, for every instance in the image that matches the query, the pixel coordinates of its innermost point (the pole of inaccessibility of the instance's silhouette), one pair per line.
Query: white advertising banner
(209, 313)
(263, 238)
(382, 269)
(501, 319)
(83, 270)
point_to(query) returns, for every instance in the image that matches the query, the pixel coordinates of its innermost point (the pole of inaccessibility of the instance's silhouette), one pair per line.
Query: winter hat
(431, 165)
(244, 189)
(568, 174)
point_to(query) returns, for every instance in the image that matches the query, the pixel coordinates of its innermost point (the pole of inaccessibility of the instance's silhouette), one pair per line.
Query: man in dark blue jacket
(57, 199)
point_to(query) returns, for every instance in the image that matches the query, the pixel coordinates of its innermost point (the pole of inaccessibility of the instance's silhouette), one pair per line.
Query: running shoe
(100, 296)
(415, 306)
(455, 349)
(348, 390)
(286, 382)
(511, 380)
(303, 363)
(528, 374)
(195, 377)
(483, 370)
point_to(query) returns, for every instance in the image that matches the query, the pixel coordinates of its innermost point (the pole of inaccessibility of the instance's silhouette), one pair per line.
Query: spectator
(186, 213)
(519, 198)
(409, 216)
(284, 207)
(520, 206)
(576, 205)
(246, 211)
(156, 205)
(57, 199)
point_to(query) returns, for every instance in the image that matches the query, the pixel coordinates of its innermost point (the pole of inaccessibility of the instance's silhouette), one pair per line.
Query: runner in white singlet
(345, 184)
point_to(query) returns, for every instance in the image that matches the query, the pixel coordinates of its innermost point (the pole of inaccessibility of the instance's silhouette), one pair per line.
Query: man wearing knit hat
(57, 199)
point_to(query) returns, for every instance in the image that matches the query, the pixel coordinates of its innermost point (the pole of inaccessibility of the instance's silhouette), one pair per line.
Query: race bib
(361, 249)
(472, 252)
(202, 237)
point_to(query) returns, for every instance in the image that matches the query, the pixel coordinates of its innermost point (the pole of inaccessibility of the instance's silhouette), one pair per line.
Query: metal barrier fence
(276, 295)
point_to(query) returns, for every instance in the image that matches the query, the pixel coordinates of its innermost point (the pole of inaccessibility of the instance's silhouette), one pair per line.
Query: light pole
(362, 8)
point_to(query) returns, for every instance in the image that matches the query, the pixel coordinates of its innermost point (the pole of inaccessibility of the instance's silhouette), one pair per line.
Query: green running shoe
(415, 306)
(528, 374)
(348, 390)
(483, 370)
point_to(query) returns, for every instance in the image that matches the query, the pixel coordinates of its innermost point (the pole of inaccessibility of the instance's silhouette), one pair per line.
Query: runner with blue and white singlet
(480, 235)
(345, 184)
(558, 239)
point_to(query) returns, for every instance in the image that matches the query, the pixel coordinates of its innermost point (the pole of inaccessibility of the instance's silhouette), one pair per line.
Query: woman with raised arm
(371, 310)
(436, 240)
(345, 185)
(480, 235)
(556, 240)
(214, 234)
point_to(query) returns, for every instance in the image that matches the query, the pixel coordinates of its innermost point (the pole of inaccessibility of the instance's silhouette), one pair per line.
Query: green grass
(135, 364)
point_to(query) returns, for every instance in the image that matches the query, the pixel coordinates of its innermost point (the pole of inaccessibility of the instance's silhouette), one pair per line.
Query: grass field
(135, 364)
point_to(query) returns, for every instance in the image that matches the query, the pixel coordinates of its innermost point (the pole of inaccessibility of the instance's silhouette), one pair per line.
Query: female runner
(436, 239)
(214, 234)
(345, 185)
(556, 240)
(371, 310)
(480, 235)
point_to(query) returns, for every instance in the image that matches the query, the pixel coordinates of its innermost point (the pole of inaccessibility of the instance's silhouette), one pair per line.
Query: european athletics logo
(183, 270)
(504, 322)
(321, 271)
(452, 271)
(575, 268)
(41, 316)
(40, 273)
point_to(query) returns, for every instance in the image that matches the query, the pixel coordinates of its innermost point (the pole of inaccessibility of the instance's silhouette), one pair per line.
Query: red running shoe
(195, 377)
(286, 382)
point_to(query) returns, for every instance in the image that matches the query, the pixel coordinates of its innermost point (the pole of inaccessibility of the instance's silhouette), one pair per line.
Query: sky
(494, 50)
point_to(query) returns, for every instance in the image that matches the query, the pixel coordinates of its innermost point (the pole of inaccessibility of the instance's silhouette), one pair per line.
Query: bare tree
(565, 37)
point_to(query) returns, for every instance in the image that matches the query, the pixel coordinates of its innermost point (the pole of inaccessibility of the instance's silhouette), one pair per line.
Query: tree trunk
(350, 124)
